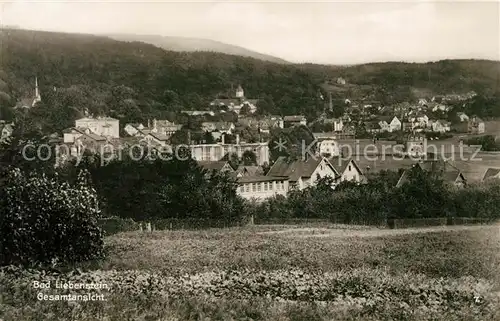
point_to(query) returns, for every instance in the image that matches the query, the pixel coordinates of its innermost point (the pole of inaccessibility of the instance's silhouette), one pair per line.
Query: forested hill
(135, 81)
(195, 44)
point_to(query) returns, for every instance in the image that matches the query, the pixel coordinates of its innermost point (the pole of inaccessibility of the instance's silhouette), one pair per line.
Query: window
(349, 167)
(247, 188)
(265, 186)
(259, 187)
(254, 187)
(242, 189)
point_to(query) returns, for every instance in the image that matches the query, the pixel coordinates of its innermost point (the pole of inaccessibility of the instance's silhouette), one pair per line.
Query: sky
(330, 32)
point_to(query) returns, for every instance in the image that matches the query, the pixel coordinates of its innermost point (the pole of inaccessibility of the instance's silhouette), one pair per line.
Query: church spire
(36, 87)
(37, 97)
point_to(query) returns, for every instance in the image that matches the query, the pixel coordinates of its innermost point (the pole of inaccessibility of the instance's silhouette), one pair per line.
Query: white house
(463, 116)
(133, 129)
(5, 130)
(303, 173)
(237, 102)
(222, 127)
(441, 126)
(348, 170)
(419, 121)
(216, 152)
(328, 148)
(440, 107)
(416, 145)
(261, 187)
(395, 124)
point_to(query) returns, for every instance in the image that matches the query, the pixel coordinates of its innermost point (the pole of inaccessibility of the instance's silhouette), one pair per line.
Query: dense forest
(134, 81)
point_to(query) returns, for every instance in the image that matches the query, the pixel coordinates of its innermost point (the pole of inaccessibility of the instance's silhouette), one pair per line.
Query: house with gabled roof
(443, 169)
(462, 116)
(6, 130)
(348, 170)
(249, 171)
(133, 129)
(216, 166)
(476, 125)
(303, 173)
(441, 126)
(155, 138)
(491, 173)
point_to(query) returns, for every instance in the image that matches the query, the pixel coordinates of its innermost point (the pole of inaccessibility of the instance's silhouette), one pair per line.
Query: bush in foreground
(43, 220)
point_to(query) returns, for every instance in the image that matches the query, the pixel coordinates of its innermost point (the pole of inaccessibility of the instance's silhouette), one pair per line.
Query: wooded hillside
(135, 81)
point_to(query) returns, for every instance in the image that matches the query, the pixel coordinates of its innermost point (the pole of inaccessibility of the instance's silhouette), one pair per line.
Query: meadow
(277, 273)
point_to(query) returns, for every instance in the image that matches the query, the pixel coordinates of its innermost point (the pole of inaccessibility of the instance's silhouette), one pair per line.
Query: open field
(279, 273)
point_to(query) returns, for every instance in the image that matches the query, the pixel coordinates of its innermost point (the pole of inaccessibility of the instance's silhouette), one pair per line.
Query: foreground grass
(251, 274)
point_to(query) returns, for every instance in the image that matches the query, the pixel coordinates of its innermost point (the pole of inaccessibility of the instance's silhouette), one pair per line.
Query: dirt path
(372, 232)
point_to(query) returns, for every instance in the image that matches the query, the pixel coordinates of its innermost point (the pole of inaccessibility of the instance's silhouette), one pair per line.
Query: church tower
(37, 98)
(239, 92)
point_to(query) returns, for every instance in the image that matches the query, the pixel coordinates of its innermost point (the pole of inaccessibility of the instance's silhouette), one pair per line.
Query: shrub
(113, 225)
(43, 220)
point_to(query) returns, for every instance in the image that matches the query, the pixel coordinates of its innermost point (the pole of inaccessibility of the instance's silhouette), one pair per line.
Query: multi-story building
(102, 126)
(216, 152)
(262, 187)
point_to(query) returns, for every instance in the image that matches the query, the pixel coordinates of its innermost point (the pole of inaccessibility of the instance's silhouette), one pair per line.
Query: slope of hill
(195, 44)
(135, 81)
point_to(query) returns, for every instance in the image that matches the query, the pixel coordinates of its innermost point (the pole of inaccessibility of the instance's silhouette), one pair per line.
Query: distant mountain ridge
(195, 44)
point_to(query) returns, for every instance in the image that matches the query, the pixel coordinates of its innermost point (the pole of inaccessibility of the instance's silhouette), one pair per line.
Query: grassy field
(278, 273)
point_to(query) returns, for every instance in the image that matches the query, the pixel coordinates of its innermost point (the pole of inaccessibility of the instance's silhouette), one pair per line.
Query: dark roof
(445, 170)
(387, 119)
(341, 163)
(490, 173)
(159, 136)
(208, 165)
(95, 137)
(295, 169)
(259, 178)
(372, 125)
(250, 170)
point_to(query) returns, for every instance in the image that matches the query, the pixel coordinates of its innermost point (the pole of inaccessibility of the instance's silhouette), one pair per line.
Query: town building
(259, 188)
(441, 126)
(491, 174)
(348, 170)
(6, 130)
(303, 173)
(442, 169)
(475, 125)
(102, 126)
(295, 120)
(237, 102)
(216, 152)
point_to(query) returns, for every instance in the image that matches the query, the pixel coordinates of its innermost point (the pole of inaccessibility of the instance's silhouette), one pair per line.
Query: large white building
(102, 126)
(215, 152)
(262, 187)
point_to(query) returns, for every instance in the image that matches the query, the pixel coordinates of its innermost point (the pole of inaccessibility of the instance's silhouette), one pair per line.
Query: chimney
(189, 137)
(154, 125)
(222, 139)
(149, 123)
(330, 103)
(237, 139)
